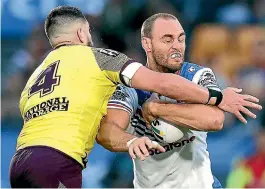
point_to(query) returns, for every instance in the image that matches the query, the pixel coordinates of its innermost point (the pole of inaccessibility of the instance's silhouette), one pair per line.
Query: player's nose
(177, 45)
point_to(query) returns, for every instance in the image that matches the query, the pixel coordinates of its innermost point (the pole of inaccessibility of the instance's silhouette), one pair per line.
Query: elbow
(100, 139)
(104, 141)
(217, 121)
(218, 125)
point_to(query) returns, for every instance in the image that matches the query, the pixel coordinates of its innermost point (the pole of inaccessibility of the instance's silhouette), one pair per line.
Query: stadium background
(227, 36)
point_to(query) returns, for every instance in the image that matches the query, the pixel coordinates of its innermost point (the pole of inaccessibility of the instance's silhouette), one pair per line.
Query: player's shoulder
(193, 71)
(69, 53)
(124, 88)
(190, 69)
(109, 59)
(104, 52)
(142, 96)
(200, 75)
(66, 49)
(122, 92)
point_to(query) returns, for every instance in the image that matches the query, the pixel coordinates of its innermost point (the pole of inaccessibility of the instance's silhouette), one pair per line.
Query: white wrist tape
(155, 143)
(131, 141)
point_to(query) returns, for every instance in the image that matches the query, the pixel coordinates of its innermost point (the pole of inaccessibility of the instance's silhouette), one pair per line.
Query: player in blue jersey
(186, 162)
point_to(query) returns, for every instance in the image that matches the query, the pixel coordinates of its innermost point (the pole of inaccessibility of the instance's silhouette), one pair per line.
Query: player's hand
(139, 148)
(237, 104)
(148, 107)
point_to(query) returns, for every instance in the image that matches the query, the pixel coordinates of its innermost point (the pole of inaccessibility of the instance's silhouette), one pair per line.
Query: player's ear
(146, 44)
(81, 35)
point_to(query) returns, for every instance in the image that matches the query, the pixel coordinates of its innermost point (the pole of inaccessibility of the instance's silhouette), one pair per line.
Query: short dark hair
(61, 15)
(148, 24)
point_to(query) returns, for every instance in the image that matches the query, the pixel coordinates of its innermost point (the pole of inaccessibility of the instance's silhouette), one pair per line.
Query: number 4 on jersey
(46, 81)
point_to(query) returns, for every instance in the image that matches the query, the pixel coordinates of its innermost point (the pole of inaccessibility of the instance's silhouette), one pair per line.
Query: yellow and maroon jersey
(66, 96)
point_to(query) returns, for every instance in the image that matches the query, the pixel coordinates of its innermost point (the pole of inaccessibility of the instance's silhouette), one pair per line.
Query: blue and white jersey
(186, 162)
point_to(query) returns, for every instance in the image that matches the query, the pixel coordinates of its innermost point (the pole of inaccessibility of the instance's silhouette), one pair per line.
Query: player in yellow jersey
(66, 97)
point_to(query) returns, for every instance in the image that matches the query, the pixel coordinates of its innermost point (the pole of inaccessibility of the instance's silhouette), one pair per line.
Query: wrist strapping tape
(131, 141)
(217, 94)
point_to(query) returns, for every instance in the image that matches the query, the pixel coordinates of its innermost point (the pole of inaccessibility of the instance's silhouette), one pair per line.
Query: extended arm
(170, 85)
(135, 75)
(192, 116)
(176, 87)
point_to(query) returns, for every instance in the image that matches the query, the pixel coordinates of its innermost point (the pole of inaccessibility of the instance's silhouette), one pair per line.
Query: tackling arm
(193, 116)
(133, 74)
(121, 69)
(170, 85)
(176, 87)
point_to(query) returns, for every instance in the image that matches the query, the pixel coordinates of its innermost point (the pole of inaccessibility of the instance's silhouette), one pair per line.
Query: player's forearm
(113, 138)
(183, 89)
(170, 85)
(193, 116)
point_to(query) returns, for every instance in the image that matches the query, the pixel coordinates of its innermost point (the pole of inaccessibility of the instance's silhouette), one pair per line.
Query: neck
(63, 43)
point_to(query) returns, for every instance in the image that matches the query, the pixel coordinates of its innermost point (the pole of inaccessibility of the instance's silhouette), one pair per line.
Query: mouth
(176, 55)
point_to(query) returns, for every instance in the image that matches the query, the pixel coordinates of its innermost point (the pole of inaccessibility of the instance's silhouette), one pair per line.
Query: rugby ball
(165, 132)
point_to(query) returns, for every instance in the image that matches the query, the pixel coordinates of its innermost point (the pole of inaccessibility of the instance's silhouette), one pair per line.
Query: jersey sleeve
(200, 75)
(124, 98)
(117, 67)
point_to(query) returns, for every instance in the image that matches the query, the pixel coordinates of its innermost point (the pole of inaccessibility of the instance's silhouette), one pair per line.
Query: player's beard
(90, 41)
(163, 61)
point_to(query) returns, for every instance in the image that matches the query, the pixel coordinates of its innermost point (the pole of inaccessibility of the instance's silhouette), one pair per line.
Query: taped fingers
(158, 146)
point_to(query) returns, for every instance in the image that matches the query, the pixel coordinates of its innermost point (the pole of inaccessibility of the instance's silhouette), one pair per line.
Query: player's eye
(181, 38)
(168, 40)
